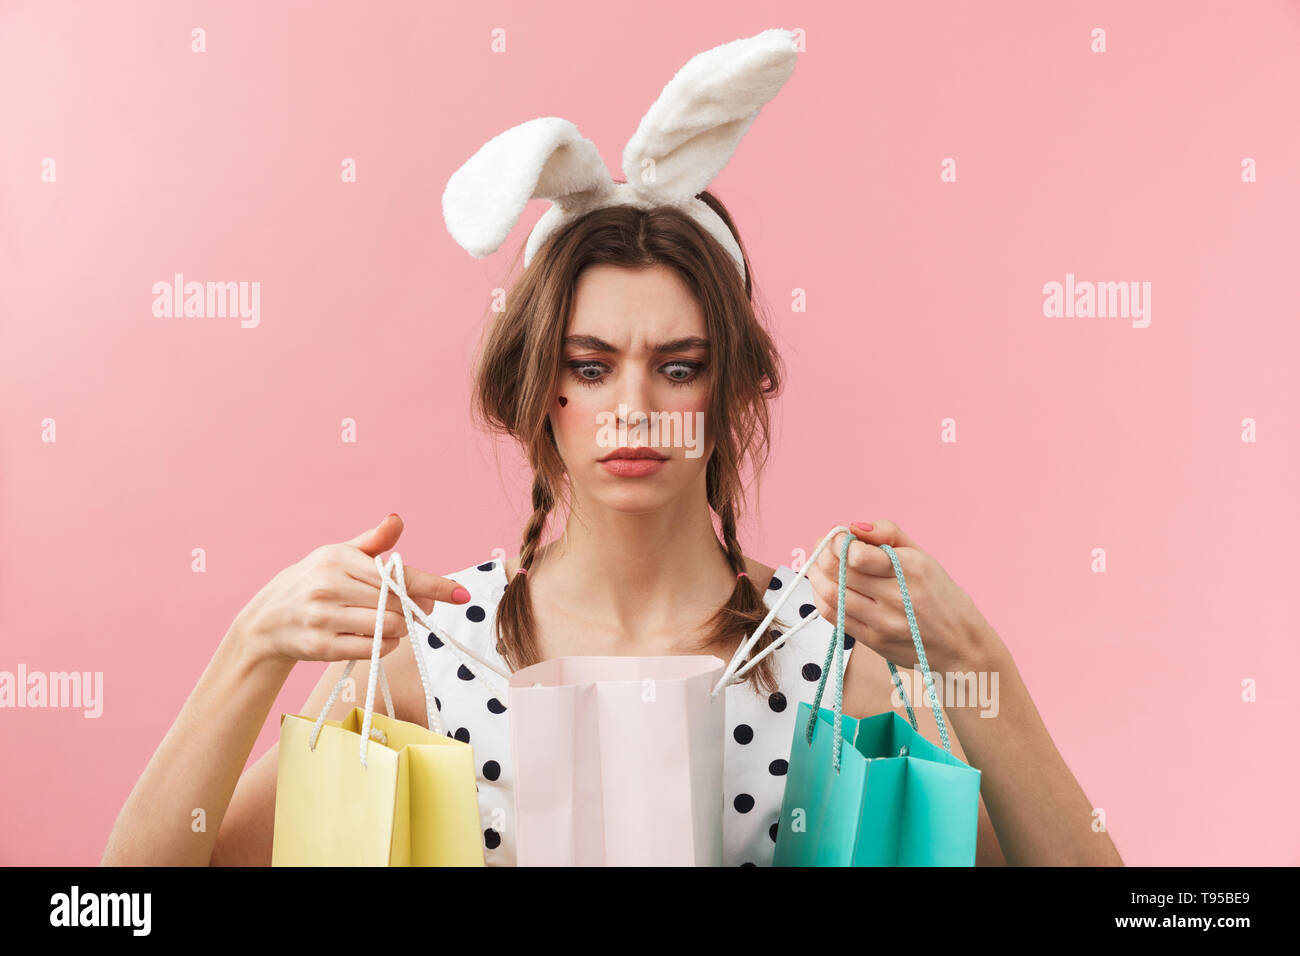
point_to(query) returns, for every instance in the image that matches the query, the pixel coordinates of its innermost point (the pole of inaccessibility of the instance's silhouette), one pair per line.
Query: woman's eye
(580, 370)
(683, 373)
(677, 373)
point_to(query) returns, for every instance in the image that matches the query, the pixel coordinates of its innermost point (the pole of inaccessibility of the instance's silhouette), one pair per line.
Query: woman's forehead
(634, 308)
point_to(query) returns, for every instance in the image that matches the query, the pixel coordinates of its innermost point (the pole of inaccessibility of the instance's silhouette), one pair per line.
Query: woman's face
(635, 372)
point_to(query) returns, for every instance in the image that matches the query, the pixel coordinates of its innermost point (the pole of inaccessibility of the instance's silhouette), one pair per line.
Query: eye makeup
(578, 366)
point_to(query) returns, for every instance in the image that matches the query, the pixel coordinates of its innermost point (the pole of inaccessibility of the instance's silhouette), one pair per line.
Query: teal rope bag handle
(835, 654)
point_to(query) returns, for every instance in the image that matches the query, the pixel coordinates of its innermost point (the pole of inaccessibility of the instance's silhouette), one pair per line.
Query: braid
(543, 502)
(745, 609)
(727, 514)
(514, 625)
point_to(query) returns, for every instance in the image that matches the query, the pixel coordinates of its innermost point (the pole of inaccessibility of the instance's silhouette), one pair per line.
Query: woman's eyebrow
(597, 344)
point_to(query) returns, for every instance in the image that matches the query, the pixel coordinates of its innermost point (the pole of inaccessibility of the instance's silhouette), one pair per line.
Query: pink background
(924, 303)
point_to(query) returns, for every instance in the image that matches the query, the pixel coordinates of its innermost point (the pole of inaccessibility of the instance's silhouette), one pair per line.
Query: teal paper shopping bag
(874, 792)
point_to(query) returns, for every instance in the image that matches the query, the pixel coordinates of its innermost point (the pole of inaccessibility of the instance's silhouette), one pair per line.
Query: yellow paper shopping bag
(370, 790)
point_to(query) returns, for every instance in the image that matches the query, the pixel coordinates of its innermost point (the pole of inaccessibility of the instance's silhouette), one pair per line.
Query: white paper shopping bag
(618, 761)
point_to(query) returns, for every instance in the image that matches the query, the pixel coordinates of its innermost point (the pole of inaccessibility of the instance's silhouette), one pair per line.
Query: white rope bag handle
(409, 609)
(734, 673)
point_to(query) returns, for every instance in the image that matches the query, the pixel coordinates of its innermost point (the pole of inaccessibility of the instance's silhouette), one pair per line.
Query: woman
(622, 310)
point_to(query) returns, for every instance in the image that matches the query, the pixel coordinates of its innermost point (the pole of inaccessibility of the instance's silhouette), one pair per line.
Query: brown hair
(518, 372)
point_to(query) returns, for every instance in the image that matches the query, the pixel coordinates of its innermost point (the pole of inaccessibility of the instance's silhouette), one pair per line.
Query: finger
(353, 593)
(880, 532)
(357, 647)
(880, 627)
(361, 621)
(864, 560)
(825, 580)
(422, 587)
(860, 612)
(380, 538)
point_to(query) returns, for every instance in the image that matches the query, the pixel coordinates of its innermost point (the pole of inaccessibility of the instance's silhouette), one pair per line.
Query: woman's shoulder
(487, 575)
(760, 573)
(486, 582)
(793, 596)
(868, 686)
(778, 585)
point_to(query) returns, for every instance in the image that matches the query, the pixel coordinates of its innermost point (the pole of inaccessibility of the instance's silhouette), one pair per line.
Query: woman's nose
(633, 396)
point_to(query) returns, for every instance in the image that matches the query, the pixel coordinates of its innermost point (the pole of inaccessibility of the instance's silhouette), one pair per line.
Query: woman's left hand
(954, 632)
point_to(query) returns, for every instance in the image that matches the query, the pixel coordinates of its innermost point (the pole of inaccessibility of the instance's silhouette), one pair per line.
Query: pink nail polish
(865, 526)
(460, 595)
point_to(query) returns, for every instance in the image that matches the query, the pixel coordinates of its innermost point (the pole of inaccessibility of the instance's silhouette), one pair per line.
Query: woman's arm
(1034, 804)
(248, 829)
(1041, 814)
(199, 762)
(317, 609)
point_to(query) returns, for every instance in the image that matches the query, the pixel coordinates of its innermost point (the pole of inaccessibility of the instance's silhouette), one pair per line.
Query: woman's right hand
(323, 608)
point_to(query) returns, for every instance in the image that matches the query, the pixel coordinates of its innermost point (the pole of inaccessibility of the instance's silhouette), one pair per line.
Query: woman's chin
(634, 496)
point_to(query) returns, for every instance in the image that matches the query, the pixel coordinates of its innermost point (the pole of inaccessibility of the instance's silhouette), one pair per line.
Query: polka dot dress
(759, 726)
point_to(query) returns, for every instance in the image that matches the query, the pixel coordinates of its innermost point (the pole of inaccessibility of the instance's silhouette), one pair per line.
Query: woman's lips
(632, 467)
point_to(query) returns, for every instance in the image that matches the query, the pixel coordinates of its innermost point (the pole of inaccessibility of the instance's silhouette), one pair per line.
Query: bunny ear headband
(684, 140)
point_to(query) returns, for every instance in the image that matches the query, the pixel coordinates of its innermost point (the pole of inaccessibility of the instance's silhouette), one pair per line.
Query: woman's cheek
(687, 432)
(574, 416)
(578, 418)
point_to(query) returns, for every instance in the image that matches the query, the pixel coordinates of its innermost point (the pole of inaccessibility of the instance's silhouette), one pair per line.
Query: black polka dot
(475, 613)
(811, 671)
(491, 770)
(464, 673)
(434, 642)
(743, 803)
(807, 609)
(487, 567)
(747, 863)
(776, 702)
(437, 703)
(491, 839)
(849, 641)
(462, 734)
(771, 832)
(774, 584)
(777, 768)
(496, 706)
(743, 733)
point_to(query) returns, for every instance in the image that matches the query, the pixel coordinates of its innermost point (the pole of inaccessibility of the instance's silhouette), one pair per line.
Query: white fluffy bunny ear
(544, 158)
(692, 129)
